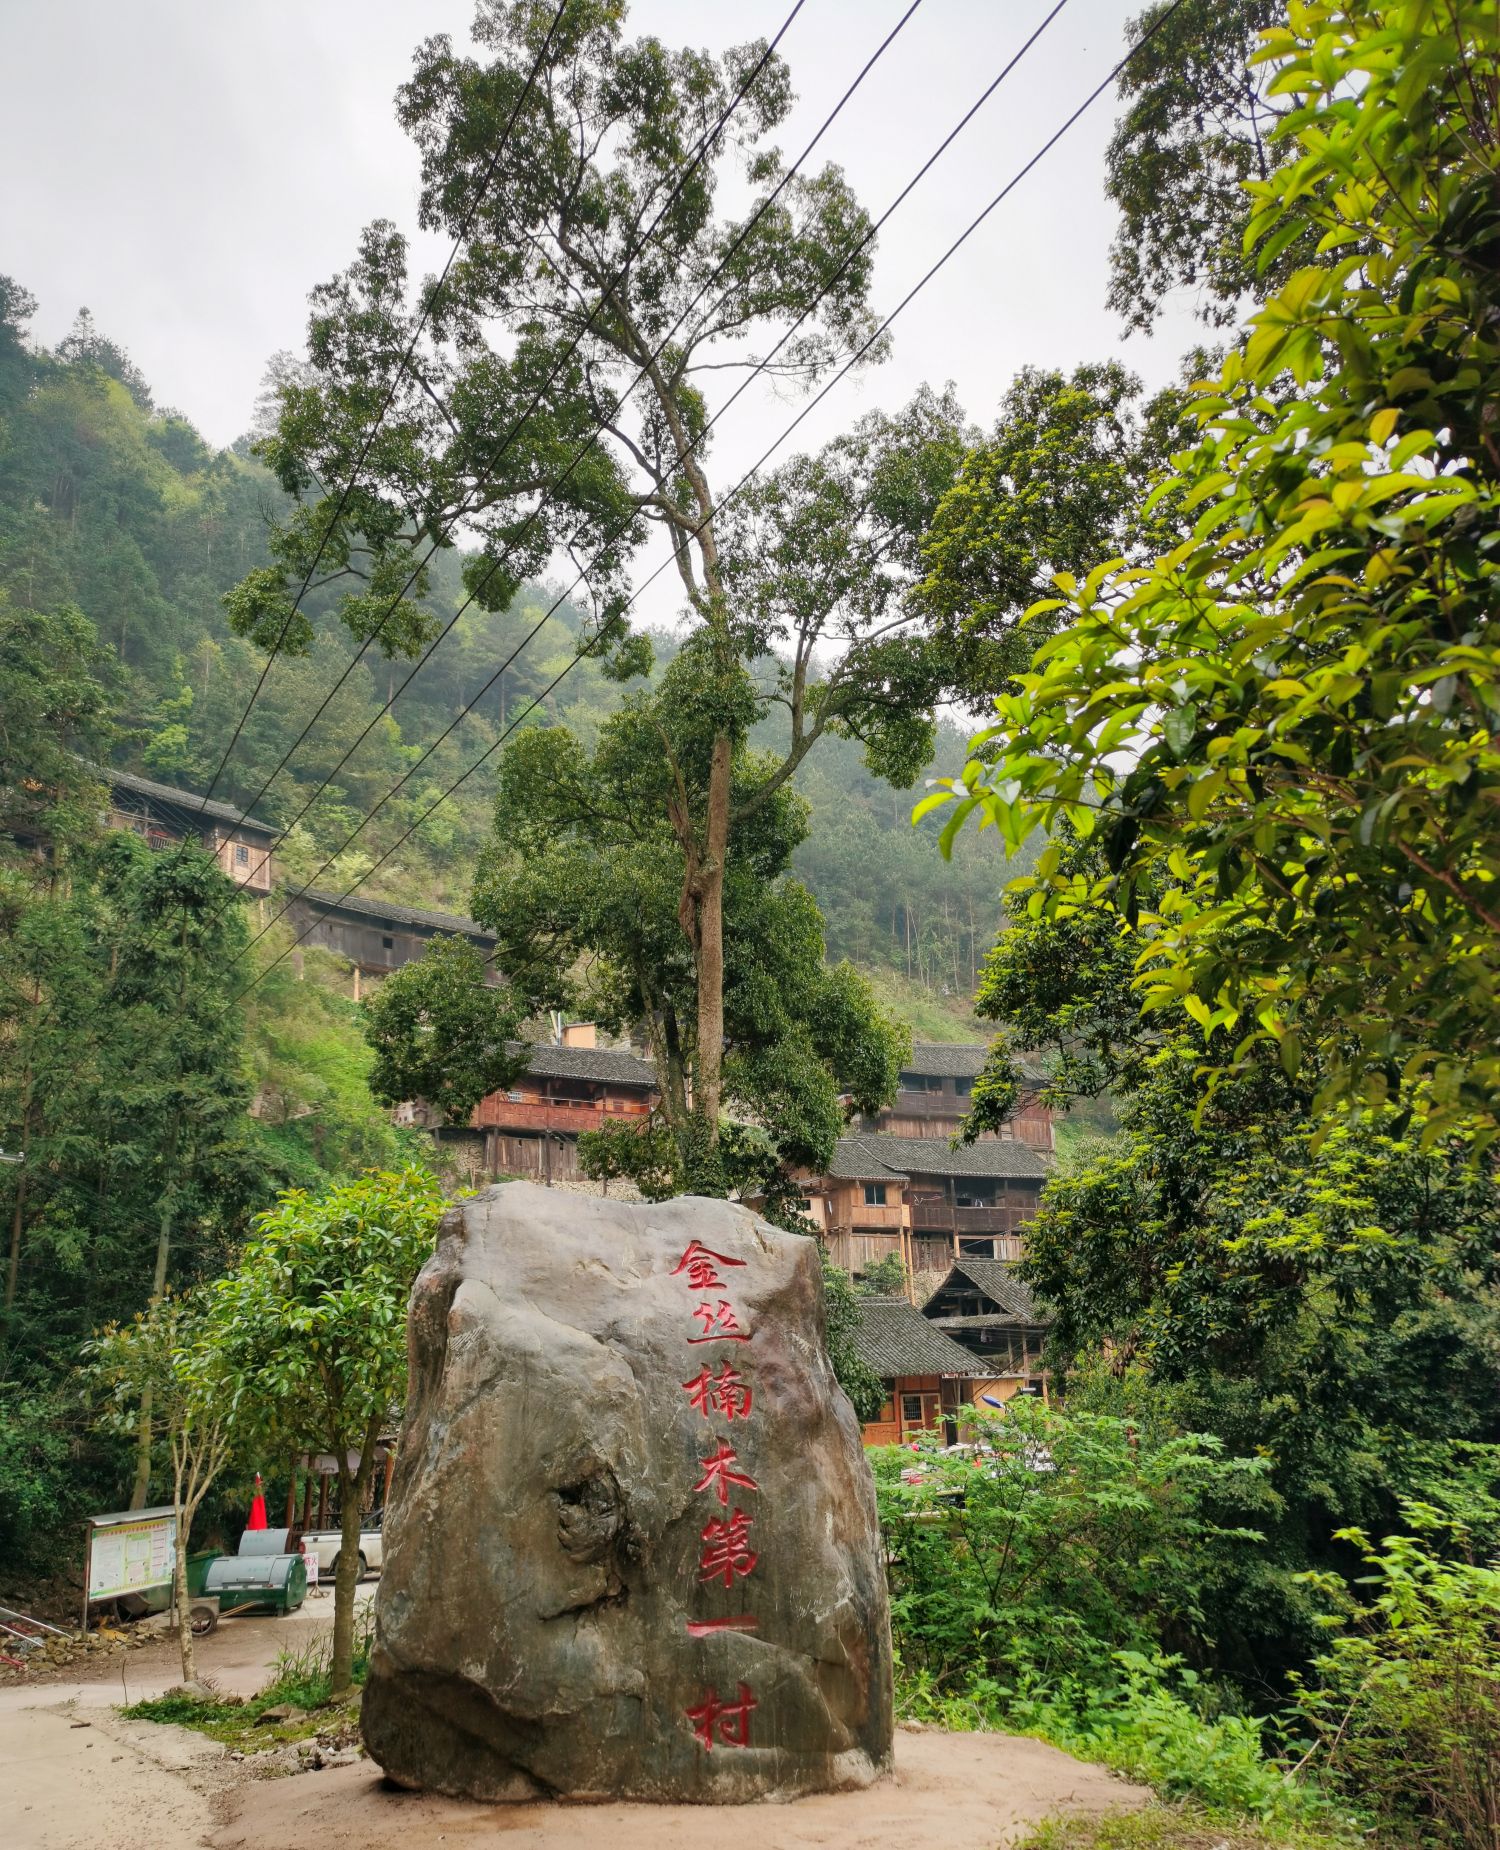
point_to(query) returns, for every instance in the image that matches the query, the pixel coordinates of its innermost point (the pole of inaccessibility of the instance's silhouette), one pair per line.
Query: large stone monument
(632, 1548)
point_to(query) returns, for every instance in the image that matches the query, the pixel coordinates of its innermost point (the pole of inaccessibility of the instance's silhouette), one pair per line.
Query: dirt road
(75, 1775)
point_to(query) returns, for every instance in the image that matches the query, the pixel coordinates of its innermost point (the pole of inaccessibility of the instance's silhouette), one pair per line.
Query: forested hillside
(114, 505)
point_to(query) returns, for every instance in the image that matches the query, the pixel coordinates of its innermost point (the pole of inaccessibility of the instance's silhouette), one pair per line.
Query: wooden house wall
(941, 1400)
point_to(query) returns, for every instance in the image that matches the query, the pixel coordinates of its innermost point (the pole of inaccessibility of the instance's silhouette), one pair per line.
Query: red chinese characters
(719, 1473)
(727, 1723)
(718, 1322)
(725, 1555)
(726, 1392)
(726, 1550)
(698, 1262)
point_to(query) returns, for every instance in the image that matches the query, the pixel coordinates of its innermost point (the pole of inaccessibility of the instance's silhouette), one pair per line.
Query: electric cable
(706, 142)
(744, 385)
(957, 244)
(390, 396)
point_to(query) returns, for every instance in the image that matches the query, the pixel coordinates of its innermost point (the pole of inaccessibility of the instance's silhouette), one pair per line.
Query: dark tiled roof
(182, 799)
(852, 1162)
(893, 1338)
(393, 913)
(960, 1060)
(1001, 1157)
(946, 1059)
(615, 1066)
(996, 1280)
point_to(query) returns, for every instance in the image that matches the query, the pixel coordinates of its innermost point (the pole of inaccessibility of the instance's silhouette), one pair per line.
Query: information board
(127, 1556)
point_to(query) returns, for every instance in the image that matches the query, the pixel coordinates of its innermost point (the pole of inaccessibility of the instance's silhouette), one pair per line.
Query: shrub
(1055, 1541)
(1405, 1703)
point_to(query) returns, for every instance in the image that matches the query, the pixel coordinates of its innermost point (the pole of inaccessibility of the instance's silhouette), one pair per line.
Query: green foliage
(583, 885)
(439, 1033)
(316, 1122)
(1321, 1296)
(1177, 1827)
(1056, 1541)
(312, 1321)
(1404, 1703)
(303, 1678)
(883, 1278)
(1304, 743)
(859, 1381)
(1153, 1728)
(310, 1332)
(568, 191)
(162, 1373)
(1200, 121)
(55, 693)
(1060, 481)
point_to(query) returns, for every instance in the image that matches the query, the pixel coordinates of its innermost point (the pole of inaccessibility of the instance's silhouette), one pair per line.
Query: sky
(189, 172)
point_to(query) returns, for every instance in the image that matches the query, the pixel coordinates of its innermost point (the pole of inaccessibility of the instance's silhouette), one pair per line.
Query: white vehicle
(325, 1545)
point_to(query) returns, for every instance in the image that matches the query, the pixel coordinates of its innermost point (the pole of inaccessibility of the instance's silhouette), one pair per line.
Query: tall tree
(587, 203)
(1305, 740)
(1059, 483)
(582, 886)
(1200, 120)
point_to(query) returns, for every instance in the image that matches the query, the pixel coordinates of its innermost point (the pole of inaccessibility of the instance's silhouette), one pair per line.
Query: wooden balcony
(883, 1219)
(928, 1104)
(569, 1116)
(943, 1217)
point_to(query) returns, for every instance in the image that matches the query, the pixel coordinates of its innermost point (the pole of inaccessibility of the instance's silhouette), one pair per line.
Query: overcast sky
(189, 171)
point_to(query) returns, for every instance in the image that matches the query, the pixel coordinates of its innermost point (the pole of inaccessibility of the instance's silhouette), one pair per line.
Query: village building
(934, 1091)
(376, 936)
(990, 1313)
(164, 816)
(924, 1372)
(532, 1128)
(920, 1200)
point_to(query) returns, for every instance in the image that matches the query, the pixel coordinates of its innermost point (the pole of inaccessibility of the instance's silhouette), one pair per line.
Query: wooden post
(307, 1482)
(390, 1472)
(291, 1493)
(322, 1500)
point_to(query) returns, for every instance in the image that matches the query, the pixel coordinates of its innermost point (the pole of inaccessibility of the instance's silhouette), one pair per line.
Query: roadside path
(75, 1775)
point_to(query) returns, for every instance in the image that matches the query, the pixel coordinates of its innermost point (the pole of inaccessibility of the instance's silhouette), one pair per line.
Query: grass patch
(1173, 1827)
(302, 1678)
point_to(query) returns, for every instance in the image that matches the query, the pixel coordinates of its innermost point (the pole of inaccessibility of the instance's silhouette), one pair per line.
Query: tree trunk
(141, 1487)
(18, 1213)
(180, 1588)
(708, 1085)
(346, 1579)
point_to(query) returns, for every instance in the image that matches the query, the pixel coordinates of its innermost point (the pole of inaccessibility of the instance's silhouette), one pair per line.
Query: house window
(963, 1087)
(241, 855)
(388, 944)
(976, 1249)
(911, 1409)
(874, 1194)
(920, 1082)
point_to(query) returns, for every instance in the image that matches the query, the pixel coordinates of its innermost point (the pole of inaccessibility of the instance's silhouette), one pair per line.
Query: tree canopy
(1301, 752)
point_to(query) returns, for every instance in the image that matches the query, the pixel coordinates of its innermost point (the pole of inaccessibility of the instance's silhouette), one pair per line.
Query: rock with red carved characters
(632, 1548)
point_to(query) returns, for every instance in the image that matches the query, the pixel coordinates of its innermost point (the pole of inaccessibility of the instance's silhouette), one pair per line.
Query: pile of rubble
(54, 1652)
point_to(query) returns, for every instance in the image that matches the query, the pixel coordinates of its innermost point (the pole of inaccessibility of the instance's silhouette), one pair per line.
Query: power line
(705, 143)
(390, 395)
(854, 359)
(849, 257)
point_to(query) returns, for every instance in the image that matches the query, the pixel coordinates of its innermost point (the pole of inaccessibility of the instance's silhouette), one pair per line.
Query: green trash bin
(262, 1583)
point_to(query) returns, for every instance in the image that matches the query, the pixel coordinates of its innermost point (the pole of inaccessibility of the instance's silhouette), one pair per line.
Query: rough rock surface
(583, 1497)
